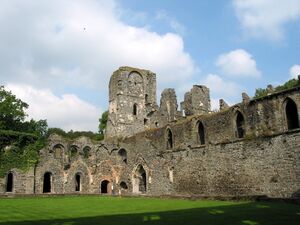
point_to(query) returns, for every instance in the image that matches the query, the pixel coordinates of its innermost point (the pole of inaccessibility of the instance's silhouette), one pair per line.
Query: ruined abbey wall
(251, 148)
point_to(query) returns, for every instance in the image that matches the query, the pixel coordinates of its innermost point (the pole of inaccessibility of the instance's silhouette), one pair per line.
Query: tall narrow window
(47, 183)
(240, 125)
(291, 114)
(201, 133)
(77, 182)
(169, 139)
(9, 182)
(134, 109)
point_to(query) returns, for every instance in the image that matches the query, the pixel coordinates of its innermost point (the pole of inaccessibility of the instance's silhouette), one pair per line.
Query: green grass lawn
(92, 210)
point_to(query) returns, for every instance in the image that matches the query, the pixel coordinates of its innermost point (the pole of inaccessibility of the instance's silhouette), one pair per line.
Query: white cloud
(66, 112)
(266, 18)
(219, 87)
(238, 63)
(295, 71)
(80, 43)
(75, 45)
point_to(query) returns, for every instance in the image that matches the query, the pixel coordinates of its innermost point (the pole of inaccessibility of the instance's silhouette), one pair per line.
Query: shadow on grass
(254, 213)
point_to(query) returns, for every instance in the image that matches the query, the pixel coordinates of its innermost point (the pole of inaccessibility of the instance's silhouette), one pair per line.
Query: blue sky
(58, 55)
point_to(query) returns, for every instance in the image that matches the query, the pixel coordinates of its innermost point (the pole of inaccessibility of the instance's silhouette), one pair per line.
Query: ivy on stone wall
(18, 150)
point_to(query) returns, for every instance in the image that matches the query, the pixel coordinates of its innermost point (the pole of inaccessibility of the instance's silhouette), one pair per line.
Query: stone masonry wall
(251, 148)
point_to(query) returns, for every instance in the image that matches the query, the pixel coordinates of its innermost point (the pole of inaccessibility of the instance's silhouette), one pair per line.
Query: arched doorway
(105, 187)
(139, 180)
(9, 182)
(47, 182)
(291, 113)
(77, 182)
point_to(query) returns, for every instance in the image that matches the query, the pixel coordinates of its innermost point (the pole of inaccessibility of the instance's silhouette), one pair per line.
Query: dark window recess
(201, 133)
(123, 185)
(123, 155)
(291, 115)
(134, 109)
(240, 125)
(169, 139)
(142, 180)
(77, 182)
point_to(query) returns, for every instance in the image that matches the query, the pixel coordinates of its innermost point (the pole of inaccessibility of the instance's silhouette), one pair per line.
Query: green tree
(103, 122)
(12, 110)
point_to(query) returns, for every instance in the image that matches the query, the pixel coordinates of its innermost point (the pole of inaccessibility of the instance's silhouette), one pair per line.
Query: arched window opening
(169, 139)
(201, 133)
(58, 151)
(240, 125)
(73, 150)
(123, 185)
(104, 186)
(291, 114)
(86, 152)
(9, 182)
(47, 182)
(139, 182)
(134, 109)
(123, 155)
(77, 182)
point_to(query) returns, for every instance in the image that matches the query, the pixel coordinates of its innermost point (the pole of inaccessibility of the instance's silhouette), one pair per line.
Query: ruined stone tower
(132, 95)
(196, 101)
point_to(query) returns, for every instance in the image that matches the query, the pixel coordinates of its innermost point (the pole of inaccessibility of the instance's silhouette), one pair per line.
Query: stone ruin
(248, 149)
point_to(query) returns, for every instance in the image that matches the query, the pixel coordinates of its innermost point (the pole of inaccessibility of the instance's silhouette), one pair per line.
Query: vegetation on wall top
(262, 92)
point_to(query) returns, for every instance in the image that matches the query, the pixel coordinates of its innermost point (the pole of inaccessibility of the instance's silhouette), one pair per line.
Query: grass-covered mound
(93, 210)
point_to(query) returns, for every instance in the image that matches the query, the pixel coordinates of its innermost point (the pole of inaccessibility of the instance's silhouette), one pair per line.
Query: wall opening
(134, 112)
(140, 180)
(171, 174)
(201, 133)
(123, 155)
(291, 114)
(86, 152)
(169, 139)
(104, 186)
(47, 182)
(123, 185)
(58, 151)
(9, 182)
(73, 150)
(240, 125)
(77, 182)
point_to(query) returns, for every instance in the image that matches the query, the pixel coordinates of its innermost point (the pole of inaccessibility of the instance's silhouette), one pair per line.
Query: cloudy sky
(58, 55)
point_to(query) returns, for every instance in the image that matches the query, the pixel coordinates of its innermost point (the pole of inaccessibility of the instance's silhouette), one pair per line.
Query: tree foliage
(12, 110)
(73, 134)
(103, 123)
(261, 92)
(20, 140)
